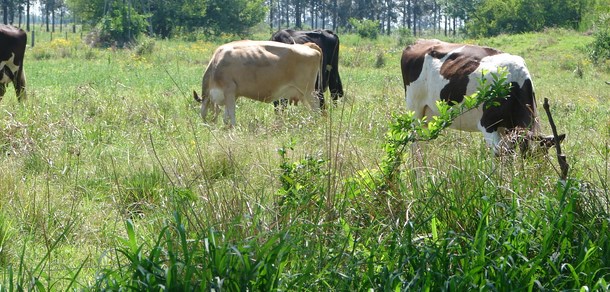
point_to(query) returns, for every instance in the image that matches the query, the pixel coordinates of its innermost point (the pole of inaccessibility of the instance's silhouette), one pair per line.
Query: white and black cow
(261, 70)
(328, 41)
(433, 70)
(12, 49)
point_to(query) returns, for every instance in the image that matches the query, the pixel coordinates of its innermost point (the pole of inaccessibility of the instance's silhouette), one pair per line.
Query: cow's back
(433, 70)
(14, 41)
(259, 69)
(328, 41)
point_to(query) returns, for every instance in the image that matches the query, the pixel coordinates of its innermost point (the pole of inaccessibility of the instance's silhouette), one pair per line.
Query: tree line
(125, 20)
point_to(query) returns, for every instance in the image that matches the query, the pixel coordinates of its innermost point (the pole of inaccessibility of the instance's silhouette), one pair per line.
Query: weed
(98, 206)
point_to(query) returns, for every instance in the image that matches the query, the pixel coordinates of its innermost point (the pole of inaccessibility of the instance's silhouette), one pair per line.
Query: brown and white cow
(433, 70)
(260, 70)
(12, 49)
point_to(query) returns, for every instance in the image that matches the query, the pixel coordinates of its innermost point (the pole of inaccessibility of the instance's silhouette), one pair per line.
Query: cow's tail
(320, 88)
(20, 84)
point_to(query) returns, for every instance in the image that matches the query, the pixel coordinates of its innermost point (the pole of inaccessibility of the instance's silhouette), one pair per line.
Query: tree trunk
(404, 13)
(322, 12)
(287, 13)
(415, 16)
(27, 15)
(312, 3)
(53, 20)
(390, 8)
(410, 18)
(271, 14)
(335, 16)
(446, 19)
(297, 14)
(5, 11)
(61, 19)
(46, 13)
(454, 25)
(20, 11)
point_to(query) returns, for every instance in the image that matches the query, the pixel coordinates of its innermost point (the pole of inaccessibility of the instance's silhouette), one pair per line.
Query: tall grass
(109, 180)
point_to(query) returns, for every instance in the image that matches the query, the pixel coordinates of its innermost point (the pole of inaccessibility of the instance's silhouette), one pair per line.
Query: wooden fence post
(561, 158)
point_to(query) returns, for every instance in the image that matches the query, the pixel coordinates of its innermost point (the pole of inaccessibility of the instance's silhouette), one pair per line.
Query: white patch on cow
(429, 83)
(217, 96)
(423, 93)
(492, 139)
(517, 71)
(10, 63)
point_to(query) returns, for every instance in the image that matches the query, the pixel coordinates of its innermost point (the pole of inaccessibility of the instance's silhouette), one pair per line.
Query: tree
(168, 16)
(233, 16)
(90, 12)
(493, 17)
(121, 24)
(298, 4)
(7, 8)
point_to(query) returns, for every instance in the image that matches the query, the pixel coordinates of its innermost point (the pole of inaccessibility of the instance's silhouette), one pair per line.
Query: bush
(122, 26)
(366, 28)
(599, 50)
(145, 46)
(405, 36)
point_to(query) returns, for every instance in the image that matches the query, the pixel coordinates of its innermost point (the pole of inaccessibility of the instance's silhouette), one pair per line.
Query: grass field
(109, 178)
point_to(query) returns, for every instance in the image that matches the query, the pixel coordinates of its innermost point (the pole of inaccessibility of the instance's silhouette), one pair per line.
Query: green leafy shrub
(406, 129)
(145, 46)
(121, 26)
(301, 180)
(368, 29)
(405, 36)
(599, 50)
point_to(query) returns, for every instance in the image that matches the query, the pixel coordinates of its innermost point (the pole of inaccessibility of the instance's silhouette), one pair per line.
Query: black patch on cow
(328, 41)
(516, 110)
(460, 63)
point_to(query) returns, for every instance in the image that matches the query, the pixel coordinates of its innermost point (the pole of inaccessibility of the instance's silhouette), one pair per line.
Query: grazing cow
(260, 70)
(433, 70)
(329, 43)
(12, 49)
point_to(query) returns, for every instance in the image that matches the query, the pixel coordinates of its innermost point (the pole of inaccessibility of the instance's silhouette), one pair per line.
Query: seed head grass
(110, 179)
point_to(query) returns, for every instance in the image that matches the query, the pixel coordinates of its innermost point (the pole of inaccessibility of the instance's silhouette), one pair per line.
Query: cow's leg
(493, 140)
(229, 117)
(312, 100)
(20, 85)
(320, 97)
(320, 92)
(335, 86)
(2, 90)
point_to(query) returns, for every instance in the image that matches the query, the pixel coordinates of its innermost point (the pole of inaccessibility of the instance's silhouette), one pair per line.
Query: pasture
(109, 178)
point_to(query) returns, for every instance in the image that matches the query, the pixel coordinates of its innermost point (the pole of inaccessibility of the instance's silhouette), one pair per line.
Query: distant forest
(127, 19)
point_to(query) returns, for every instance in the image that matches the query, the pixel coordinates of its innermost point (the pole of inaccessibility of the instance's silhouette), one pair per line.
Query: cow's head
(206, 102)
(528, 143)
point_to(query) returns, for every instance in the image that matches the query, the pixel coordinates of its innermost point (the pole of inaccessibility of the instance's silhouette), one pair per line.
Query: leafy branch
(406, 129)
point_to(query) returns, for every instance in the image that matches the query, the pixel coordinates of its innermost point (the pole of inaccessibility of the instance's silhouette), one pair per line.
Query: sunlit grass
(108, 166)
